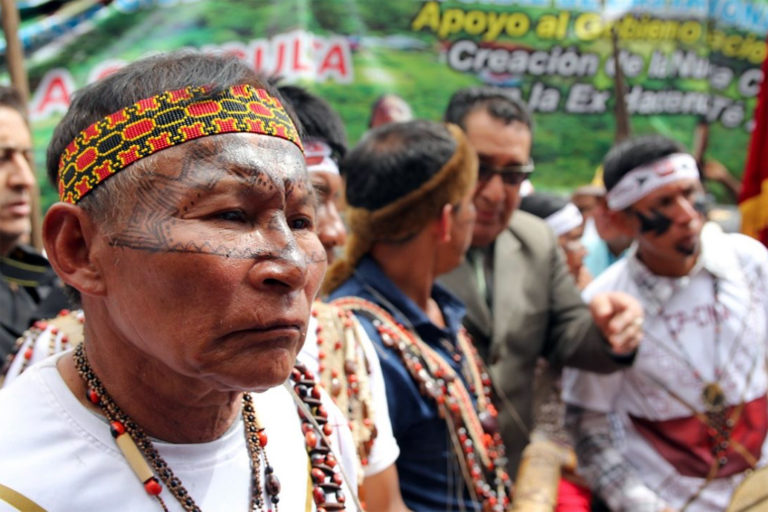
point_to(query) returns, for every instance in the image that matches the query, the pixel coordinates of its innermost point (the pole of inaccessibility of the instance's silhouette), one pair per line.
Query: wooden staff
(539, 475)
(14, 60)
(623, 128)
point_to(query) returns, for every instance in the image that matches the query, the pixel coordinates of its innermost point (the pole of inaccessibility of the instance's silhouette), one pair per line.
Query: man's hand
(620, 318)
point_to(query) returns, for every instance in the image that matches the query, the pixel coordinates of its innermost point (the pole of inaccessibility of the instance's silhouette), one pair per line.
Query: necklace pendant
(713, 396)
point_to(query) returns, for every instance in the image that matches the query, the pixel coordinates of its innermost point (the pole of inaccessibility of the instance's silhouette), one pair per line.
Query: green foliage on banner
(556, 53)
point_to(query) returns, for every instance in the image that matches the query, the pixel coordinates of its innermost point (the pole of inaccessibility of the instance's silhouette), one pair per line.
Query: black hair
(395, 159)
(634, 152)
(11, 98)
(499, 103)
(542, 205)
(317, 118)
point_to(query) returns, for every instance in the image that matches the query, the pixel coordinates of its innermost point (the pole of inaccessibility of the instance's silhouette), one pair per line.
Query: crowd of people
(236, 311)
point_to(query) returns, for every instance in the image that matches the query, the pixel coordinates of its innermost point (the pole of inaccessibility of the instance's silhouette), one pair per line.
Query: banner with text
(686, 63)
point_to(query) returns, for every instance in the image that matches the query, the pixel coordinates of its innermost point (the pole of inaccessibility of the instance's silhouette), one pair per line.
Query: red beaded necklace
(26, 346)
(477, 443)
(343, 371)
(140, 453)
(326, 479)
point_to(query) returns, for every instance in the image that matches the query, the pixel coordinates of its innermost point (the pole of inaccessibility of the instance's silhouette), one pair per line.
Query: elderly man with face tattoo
(682, 427)
(185, 201)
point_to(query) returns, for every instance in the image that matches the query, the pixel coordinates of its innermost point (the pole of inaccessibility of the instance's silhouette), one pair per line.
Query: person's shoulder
(324, 310)
(27, 423)
(44, 339)
(23, 388)
(530, 231)
(28, 254)
(729, 250)
(746, 245)
(25, 264)
(524, 222)
(351, 287)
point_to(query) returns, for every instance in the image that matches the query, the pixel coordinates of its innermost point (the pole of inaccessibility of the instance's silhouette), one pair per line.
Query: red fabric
(687, 445)
(756, 167)
(572, 497)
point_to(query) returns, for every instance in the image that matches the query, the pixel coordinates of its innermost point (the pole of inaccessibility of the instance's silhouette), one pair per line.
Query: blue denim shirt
(430, 477)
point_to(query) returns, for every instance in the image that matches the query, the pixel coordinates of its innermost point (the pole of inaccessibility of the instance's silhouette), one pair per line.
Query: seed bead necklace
(324, 472)
(479, 449)
(140, 453)
(712, 393)
(343, 370)
(26, 347)
(719, 419)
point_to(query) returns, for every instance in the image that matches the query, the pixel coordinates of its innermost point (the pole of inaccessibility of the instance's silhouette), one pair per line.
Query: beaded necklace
(712, 394)
(343, 371)
(719, 419)
(477, 443)
(57, 332)
(140, 453)
(325, 474)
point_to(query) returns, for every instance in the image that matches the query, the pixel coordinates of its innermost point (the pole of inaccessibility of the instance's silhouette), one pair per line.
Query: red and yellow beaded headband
(168, 119)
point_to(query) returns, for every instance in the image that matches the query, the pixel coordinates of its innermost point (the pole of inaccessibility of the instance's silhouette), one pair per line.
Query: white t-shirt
(384, 451)
(60, 455)
(680, 337)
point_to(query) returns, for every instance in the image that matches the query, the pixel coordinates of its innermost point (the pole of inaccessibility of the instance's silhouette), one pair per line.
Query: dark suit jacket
(537, 311)
(29, 291)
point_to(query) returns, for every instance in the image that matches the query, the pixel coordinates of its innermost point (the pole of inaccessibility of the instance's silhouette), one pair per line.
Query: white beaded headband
(641, 181)
(565, 219)
(318, 157)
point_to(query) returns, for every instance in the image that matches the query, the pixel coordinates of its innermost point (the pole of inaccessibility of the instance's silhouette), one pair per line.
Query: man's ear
(444, 224)
(68, 237)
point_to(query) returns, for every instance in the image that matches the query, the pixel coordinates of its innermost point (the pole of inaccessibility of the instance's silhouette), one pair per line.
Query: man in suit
(522, 303)
(29, 289)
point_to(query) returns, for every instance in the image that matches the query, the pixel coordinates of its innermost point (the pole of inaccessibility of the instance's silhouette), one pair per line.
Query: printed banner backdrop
(685, 62)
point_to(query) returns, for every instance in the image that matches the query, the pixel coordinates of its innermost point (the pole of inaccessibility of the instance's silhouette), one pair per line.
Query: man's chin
(14, 231)
(484, 235)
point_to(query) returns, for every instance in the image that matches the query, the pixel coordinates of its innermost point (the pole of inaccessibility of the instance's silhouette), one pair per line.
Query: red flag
(753, 200)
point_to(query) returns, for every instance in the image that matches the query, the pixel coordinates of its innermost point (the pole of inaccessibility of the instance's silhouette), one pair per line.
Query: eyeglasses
(512, 174)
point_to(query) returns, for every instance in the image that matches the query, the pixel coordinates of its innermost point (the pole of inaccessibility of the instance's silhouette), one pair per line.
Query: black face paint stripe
(656, 222)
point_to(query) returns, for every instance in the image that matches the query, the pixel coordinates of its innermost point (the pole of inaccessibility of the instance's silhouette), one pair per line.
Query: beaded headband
(168, 119)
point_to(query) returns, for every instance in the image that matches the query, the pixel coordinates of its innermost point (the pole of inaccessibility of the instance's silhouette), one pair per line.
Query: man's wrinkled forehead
(164, 121)
(246, 156)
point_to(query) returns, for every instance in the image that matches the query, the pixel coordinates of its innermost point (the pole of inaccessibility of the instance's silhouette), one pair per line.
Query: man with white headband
(337, 349)
(521, 305)
(684, 425)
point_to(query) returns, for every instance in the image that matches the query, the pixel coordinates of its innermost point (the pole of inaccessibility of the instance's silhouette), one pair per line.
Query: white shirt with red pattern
(681, 352)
